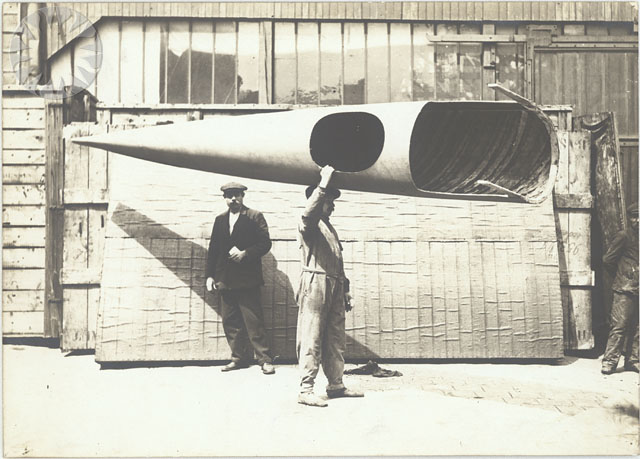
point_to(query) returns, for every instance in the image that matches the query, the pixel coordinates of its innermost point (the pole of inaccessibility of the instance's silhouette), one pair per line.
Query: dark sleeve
(263, 240)
(212, 254)
(610, 259)
(312, 212)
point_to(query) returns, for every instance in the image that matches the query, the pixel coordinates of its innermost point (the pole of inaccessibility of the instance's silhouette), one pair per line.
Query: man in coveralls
(240, 238)
(622, 259)
(323, 296)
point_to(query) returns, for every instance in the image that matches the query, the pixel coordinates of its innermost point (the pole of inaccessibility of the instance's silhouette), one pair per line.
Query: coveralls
(622, 258)
(321, 298)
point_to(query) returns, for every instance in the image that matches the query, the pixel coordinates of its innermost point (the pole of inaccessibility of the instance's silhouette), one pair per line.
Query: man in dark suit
(240, 238)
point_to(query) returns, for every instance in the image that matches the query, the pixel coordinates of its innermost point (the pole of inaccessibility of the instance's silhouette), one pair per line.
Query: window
(324, 63)
(204, 62)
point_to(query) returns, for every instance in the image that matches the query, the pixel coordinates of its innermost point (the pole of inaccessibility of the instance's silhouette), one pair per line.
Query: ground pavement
(59, 404)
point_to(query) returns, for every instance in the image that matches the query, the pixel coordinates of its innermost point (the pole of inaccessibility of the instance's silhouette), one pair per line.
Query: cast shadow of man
(187, 263)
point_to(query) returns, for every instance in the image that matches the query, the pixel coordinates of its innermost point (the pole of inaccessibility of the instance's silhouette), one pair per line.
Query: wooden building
(174, 62)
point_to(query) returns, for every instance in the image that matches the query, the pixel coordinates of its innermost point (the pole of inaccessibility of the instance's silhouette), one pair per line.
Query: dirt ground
(59, 404)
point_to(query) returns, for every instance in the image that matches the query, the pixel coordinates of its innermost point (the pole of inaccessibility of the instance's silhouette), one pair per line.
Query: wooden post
(54, 219)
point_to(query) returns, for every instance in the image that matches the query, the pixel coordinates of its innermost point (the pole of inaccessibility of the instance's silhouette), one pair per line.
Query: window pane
(331, 63)
(164, 38)
(400, 65)
(131, 62)
(377, 63)
(201, 62)
(471, 71)
(284, 57)
(308, 72)
(248, 52)
(510, 68)
(224, 85)
(353, 63)
(152, 53)
(447, 77)
(178, 62)
(424, 66)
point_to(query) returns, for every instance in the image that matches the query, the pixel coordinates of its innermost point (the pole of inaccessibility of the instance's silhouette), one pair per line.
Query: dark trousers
(623, 337)
(243, 322)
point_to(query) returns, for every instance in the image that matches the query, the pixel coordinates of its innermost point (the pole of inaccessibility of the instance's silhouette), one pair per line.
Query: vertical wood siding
(62, 33)
(23, 213)
(431, 278)
(596, 81)
(84, 187)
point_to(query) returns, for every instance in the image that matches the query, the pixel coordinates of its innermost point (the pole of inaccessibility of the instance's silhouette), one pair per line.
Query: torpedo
(489, 150)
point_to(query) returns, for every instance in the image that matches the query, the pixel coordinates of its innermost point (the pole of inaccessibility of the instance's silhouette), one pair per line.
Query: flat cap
(233, 186)
(333, 193)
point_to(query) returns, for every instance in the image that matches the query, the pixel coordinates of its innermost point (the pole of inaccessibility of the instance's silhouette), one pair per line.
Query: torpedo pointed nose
(95, 141)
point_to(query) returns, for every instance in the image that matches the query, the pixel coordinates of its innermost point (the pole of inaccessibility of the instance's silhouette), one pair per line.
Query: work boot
(233, 366)
(608, 368)
(310, 399)
(631, 366)
(267, 368)
(344, 393)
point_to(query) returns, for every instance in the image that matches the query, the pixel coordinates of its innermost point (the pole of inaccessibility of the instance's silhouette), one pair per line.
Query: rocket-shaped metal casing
(461, 149)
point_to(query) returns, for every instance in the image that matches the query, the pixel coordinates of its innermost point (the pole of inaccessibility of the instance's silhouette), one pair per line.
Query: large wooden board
(431, 278)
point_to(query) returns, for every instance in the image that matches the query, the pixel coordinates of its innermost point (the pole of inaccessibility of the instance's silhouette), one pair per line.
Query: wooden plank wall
(574, 206)
(420, 11)
(85, 186)
(432, 278)
(594, 81)
(10, 21)
(23, 213)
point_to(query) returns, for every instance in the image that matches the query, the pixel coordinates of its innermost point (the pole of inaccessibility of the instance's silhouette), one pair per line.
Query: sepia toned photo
(320, 229)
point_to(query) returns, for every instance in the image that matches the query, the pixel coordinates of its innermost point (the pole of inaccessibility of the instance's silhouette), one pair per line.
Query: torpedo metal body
(462, 149)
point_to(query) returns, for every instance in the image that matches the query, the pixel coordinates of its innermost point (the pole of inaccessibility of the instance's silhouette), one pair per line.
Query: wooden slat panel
(22, 323)
(11, 157)
(23, 237)
(30, 139)
(22, 257)
(22, 279)
(440, 332)
(23, 194)
(22, 300)
(23, 215)
(23, 174)
(32, 118)
(75, 319)
(23, 100)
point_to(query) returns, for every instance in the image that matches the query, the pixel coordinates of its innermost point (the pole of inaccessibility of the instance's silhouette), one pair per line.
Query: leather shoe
(608, 369)
(631, 366)
(311, 399)
(267, 368)
(233, 366)
(344, 393)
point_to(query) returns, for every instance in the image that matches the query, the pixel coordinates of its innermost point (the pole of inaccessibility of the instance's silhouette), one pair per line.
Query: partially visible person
(323, 296)
(622, 260)
(240, 238)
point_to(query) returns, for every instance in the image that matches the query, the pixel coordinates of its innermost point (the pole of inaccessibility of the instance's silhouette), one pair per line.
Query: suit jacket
(251, 234)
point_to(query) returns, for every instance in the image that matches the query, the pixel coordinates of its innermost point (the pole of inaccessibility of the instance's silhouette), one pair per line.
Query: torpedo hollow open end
(349, 142)
(456, 146)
